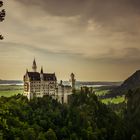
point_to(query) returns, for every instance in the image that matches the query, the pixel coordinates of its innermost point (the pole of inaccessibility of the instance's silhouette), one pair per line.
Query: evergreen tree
(2, 16)
(50, 135)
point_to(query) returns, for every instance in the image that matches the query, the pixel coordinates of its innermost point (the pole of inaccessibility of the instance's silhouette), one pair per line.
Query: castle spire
(41, 70)
(34, 67)
(41, 74)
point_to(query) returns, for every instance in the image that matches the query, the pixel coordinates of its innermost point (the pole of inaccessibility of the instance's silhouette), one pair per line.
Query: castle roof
(35, 76)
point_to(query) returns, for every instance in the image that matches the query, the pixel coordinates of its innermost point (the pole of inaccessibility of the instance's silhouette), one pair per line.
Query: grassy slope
(115, 100)
(9, 90)
(101, 92)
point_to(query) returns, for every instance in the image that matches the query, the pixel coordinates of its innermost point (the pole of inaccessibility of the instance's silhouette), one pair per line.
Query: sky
(98, 40)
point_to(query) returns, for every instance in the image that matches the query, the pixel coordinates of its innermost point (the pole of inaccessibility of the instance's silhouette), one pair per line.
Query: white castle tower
(72, 81)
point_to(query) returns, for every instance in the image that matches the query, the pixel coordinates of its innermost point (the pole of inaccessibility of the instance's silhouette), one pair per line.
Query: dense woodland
(132, 114)
(84, 118)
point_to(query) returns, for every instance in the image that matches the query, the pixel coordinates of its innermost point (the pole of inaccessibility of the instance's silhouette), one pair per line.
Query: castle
(38, 84)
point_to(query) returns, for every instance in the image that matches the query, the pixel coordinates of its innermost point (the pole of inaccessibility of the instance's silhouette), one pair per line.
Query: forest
(84, 118)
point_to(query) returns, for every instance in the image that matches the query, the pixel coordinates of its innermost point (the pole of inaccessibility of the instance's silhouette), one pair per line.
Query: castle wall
(40, 84)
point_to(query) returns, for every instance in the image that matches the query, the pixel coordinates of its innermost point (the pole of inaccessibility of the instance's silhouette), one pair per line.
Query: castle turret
(34, 67)
(41, 74)
(72, 81)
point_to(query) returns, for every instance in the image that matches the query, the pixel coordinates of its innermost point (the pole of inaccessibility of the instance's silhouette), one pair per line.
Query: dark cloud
(104, 7)
(129, 56)
(58, 7)
(117, 15)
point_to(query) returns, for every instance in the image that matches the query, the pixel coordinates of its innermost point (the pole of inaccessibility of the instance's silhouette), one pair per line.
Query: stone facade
(39, 84)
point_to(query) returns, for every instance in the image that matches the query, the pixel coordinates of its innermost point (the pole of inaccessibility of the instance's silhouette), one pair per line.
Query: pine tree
(2, 16)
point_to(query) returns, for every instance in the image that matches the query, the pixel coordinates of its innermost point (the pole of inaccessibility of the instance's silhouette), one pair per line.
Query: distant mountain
(133, 82)
(104, 83)
(10, 82)
(93, 83)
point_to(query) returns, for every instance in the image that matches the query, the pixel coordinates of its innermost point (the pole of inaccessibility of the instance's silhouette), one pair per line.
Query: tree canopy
(2, 16)
(84, 118)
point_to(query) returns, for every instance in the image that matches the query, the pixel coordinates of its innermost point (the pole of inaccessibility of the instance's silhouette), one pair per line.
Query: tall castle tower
(34, 67)
(72, 81)
(41, 74)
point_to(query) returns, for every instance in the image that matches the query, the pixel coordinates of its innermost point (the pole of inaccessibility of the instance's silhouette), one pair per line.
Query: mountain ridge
(132, 82)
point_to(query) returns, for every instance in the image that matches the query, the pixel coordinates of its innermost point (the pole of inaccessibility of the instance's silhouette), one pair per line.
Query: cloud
(121, 13)
(127, 56)
(88, 27)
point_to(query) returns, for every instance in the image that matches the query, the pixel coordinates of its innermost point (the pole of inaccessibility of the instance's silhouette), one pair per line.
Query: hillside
(132, 82)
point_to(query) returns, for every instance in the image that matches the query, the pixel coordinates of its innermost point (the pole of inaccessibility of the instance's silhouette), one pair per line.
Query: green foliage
(50, 135)
(133, 113)
(101, 92)
(84, 118)
(115, 100)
